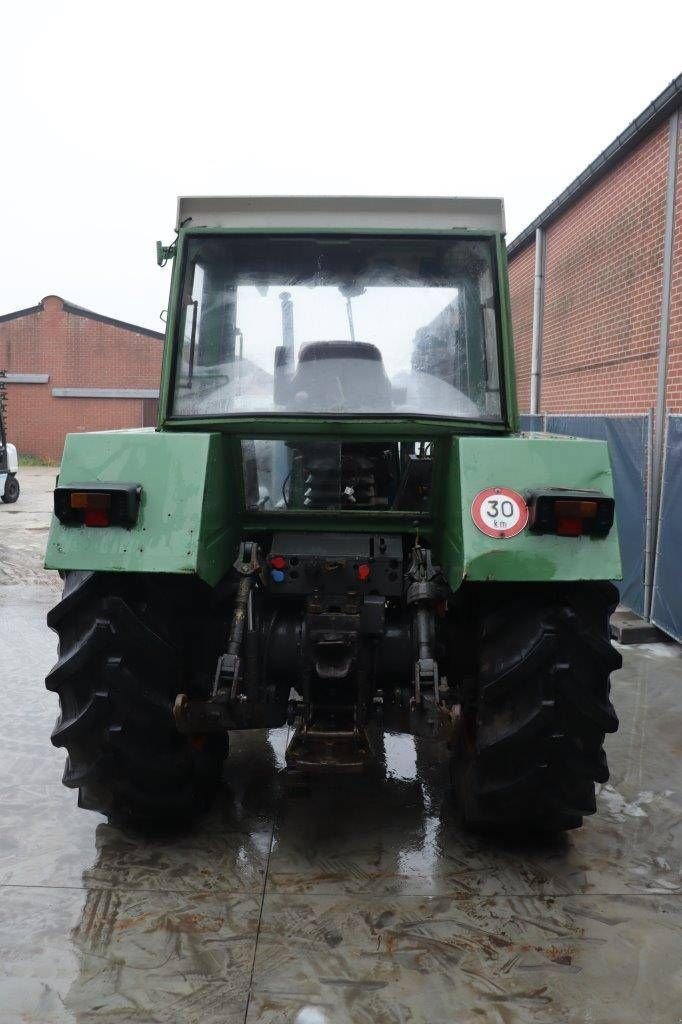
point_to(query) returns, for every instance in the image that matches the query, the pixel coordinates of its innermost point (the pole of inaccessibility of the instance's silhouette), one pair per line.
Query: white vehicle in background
(9, 466)
(9, 463)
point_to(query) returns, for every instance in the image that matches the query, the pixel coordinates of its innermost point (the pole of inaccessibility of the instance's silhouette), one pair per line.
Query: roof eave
(645, 123)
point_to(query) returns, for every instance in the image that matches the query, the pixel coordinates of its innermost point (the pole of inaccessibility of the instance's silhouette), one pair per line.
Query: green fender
(523, 463)
(189, 512)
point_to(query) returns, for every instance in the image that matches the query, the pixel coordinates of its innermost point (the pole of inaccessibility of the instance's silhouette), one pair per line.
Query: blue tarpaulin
(531, 421)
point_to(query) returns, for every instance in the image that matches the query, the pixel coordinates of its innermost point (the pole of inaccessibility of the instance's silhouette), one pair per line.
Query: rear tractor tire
(527, 749)
(128, 644)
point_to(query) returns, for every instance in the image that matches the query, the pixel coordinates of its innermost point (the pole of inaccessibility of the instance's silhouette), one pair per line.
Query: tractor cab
(328, 324)
(357, 348)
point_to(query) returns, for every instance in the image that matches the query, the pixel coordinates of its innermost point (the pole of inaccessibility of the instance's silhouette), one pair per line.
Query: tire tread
(118, 670)
(543, 706)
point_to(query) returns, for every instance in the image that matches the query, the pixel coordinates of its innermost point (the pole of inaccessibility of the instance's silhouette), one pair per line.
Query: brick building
(605, 295)
(70, 370)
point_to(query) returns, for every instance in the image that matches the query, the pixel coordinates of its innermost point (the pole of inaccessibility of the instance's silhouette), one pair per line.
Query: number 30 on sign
(499, 512)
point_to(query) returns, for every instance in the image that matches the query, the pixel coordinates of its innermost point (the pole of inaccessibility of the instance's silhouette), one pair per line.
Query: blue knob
(277, 575)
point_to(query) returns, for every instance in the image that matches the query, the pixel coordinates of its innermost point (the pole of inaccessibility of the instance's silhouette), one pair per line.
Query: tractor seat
(338, 350)
(341, 375)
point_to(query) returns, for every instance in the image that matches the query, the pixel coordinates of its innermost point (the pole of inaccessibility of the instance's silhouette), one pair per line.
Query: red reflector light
(278, 562)
(364, 571)
(569, 526)
(96, 517)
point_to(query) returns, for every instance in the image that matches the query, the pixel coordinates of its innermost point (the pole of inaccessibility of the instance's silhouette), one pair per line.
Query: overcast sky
(109, 111)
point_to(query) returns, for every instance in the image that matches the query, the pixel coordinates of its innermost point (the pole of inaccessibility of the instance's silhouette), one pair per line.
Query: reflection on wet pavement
(349, 900)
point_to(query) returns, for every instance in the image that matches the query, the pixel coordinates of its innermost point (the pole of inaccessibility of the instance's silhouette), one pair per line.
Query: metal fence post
(662, 378)
(538, 318)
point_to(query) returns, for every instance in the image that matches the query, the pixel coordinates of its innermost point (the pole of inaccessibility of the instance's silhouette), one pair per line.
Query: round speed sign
(499, 512)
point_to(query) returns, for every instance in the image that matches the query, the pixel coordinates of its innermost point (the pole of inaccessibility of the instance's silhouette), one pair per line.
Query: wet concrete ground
(353, 901)
(24, 527)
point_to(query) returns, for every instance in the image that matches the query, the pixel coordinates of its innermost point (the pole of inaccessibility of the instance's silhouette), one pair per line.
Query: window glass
(308, 474)
(334, 325)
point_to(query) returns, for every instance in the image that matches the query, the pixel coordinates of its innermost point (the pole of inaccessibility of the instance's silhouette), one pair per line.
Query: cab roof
(310, 213)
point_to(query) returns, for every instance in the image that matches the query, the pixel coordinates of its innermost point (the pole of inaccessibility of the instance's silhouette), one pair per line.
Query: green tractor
(336, 524)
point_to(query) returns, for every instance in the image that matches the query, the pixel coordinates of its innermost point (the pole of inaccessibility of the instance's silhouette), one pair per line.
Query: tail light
(571, 513)
(97, 504)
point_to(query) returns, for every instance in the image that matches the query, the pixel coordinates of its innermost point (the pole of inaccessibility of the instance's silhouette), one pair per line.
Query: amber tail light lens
(90, 499)
(566, 514)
